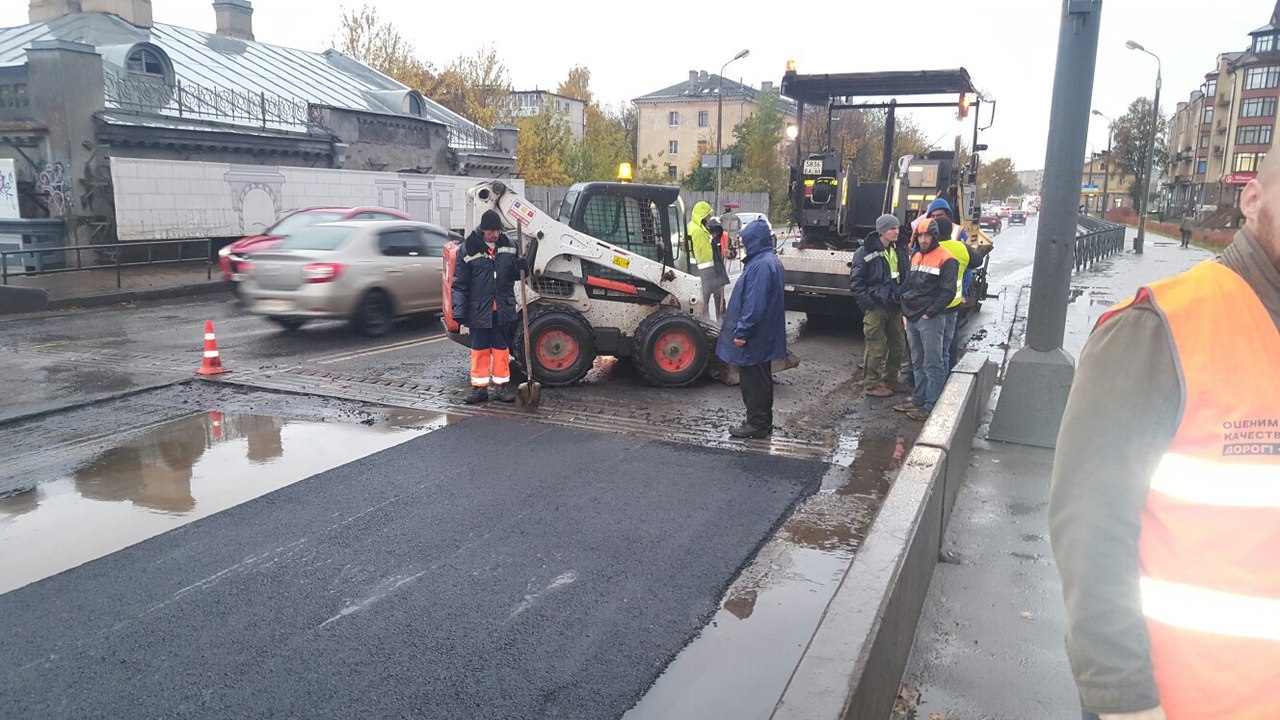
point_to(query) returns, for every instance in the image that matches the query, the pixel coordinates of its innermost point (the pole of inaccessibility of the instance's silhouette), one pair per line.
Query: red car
(232, 256)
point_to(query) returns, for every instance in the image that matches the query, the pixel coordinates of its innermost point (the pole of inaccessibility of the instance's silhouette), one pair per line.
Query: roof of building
(705, 86)
(203, 59)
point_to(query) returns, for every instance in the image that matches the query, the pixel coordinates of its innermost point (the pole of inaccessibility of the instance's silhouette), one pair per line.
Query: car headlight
(225, 251)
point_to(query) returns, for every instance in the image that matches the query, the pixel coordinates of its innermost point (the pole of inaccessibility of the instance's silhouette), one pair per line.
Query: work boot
(477, 396)
(918, 414)
(750, 431)
(880, 391)
(906, 406)
(504, 394)
(901, 387)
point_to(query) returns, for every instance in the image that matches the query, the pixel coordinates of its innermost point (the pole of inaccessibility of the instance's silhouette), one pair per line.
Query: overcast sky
(1008, 46)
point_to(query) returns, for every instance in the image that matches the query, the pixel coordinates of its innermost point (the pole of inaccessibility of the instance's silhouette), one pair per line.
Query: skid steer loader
(609, 276)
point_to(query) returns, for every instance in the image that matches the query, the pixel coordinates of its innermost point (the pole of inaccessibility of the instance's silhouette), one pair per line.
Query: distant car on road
(367, 272)
(1017, 217)
(1004, 211)
(991, 222)
(231, 256)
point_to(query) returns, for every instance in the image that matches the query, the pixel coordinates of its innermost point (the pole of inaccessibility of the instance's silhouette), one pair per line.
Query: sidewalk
(97, 286)
(990, 642)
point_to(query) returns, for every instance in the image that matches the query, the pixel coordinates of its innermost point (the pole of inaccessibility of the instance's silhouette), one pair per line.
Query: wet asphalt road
(444, 577)
(741, 660)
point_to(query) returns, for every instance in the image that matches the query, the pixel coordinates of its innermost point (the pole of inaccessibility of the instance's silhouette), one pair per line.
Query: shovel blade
(529, 395)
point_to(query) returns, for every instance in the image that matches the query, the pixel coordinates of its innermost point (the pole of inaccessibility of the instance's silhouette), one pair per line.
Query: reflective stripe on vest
(960, 252)
(1211, 525)
(890, 255)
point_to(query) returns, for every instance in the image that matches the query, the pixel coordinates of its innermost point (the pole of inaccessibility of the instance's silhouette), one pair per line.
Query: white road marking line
(377, 351)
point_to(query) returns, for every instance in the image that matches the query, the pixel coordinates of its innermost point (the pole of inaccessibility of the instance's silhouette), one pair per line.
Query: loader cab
(647, 220)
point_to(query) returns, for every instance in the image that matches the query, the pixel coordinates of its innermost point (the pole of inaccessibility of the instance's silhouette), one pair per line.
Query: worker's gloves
(1155, 713)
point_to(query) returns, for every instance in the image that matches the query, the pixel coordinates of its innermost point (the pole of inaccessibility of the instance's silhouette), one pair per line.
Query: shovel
(529, 392)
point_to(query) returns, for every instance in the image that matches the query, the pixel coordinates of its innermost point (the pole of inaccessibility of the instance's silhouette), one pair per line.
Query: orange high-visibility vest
(1209, 550)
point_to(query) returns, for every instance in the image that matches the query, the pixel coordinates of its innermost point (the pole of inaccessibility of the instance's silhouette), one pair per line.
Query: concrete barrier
(852, 667)
(22, 300)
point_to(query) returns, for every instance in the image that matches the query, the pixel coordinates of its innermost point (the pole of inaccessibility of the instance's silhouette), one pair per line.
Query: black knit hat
(490, 220)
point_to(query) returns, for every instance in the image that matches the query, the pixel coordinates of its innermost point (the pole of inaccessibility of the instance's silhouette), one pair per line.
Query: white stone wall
(169, 199)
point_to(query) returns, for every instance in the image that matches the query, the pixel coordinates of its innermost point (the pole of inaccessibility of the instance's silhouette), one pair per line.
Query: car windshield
(325, 237)
(299, 220)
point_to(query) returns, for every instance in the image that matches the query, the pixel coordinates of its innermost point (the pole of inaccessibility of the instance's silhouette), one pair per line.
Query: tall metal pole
(1093, 158)
(1148, 163)
(1038, 377)
(720, 124)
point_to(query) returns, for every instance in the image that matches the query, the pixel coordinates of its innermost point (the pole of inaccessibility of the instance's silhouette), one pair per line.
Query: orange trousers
(490, 357)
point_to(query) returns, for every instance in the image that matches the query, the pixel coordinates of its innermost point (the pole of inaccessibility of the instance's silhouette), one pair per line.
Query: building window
(1204, 140)
(1247, 162)
(1258, 107)
(671, 171)
(704, 118)
(1254, 135)
(1210, 88)
(413, 105)
(1262, 77)
(1202, 167)
(1207, 117)
(673, 118)
(1264, 43)
(673, 147)
(145, 61)
(14, 95)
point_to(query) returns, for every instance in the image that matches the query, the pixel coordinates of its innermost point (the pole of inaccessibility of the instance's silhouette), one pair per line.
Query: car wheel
(289, 323)
(373, 316)
(561, 343)
(671, 349)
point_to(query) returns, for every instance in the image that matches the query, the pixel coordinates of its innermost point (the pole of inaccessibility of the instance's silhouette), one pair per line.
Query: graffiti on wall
(8, 187)
(55, 184)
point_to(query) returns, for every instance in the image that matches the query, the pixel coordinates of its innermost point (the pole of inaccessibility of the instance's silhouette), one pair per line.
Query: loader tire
(562, 345)
(671, 349)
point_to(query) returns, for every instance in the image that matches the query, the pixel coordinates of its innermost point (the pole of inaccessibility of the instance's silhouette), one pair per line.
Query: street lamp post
(1148, 162)
(720, 123)
(1106, 164)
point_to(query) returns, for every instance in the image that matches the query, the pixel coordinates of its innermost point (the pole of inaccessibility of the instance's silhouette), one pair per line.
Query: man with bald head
(1165, 506)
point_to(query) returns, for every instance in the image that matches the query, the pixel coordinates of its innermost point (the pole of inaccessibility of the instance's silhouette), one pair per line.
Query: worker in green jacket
(704, 262)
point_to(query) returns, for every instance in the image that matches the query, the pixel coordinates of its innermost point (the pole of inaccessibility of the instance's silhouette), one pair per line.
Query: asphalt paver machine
(834, 210)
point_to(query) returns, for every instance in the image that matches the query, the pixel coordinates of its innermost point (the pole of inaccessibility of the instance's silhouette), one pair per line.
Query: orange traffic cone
(212, 364)
(215, 422)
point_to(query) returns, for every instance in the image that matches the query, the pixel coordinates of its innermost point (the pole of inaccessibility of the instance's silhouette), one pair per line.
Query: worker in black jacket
(879, 267)
(484, 300)
(930, 288)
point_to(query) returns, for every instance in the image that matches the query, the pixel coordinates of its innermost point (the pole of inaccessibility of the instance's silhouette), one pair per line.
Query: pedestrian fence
(54, 260)
(1095, 239)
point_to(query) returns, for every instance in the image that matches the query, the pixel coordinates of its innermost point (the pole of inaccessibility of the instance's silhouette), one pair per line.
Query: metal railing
(106, 257)
(1095, 239)
(131, 92)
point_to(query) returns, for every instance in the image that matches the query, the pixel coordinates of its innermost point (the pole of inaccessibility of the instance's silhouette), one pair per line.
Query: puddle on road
(739, 664)
(174, 474)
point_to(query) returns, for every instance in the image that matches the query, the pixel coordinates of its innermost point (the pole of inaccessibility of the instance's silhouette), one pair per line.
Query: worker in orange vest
(1165, 506)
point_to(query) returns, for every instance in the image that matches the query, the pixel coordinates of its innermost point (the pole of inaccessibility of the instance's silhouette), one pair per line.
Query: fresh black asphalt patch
(491, 569)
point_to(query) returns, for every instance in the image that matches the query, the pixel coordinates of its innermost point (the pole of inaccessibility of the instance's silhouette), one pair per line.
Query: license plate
(275, 306)
(237, 277)
(812, 167)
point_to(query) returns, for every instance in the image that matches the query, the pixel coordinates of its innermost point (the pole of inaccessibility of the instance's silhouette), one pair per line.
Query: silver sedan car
(367, 272)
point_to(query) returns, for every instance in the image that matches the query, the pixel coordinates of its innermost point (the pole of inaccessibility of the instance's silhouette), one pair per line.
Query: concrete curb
(853, 665)
(123, 296)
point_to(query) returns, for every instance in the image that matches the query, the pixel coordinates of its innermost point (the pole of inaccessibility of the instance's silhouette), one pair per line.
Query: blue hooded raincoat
(757, 311)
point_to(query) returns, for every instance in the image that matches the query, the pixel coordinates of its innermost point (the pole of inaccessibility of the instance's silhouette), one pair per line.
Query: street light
(1106, 164)
(1149, 158)
(720, 123)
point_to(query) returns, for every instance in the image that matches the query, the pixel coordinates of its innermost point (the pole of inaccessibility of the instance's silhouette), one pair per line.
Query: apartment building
(528, 103)
(1220, 135)
(677, 125)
